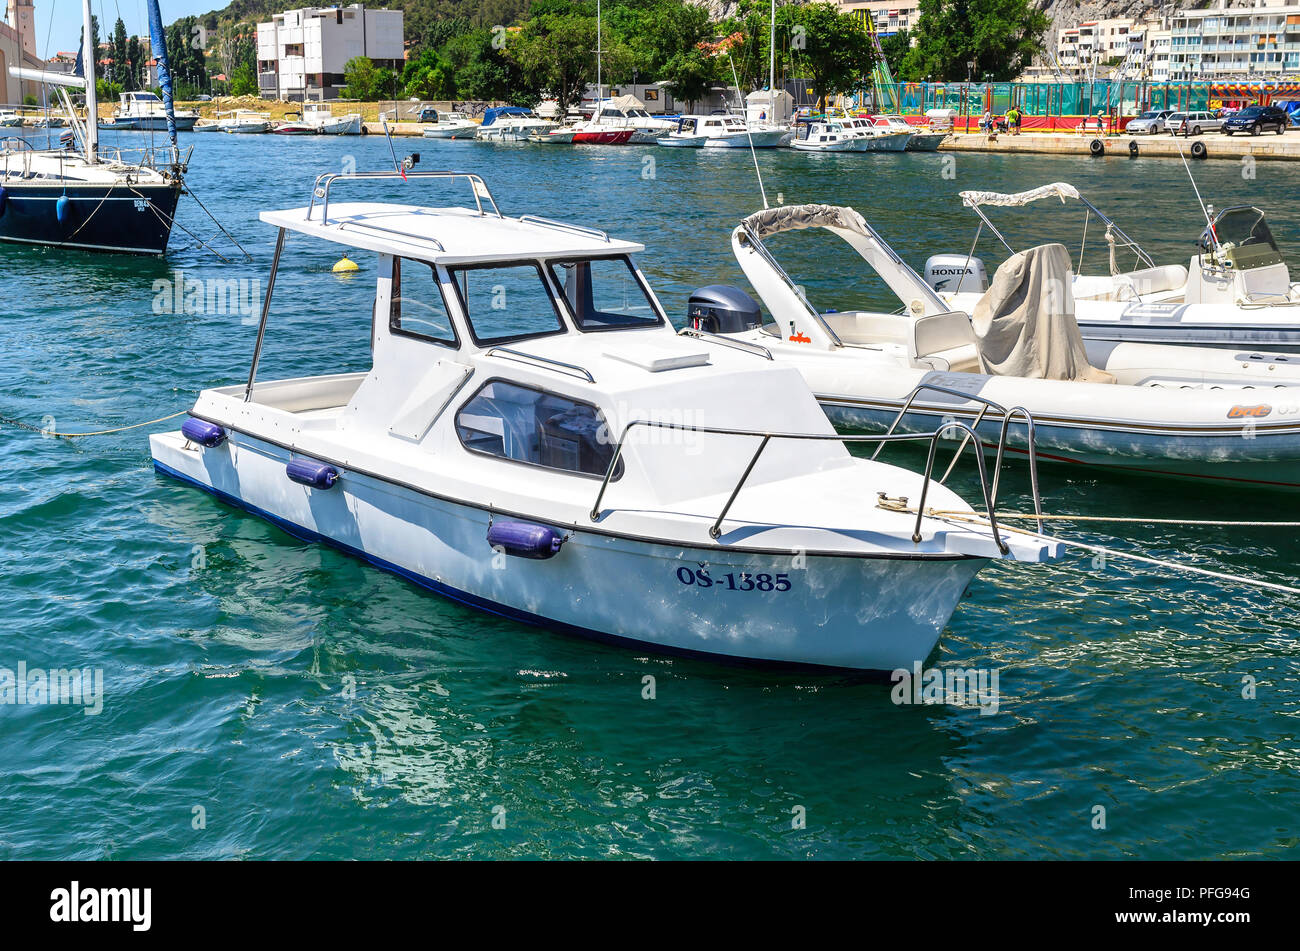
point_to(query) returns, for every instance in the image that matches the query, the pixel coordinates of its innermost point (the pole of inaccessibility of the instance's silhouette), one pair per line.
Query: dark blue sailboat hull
(133, 219)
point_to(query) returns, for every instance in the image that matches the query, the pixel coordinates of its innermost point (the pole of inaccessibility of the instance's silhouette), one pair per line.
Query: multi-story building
(301, 54)
(18, 48)
(889, 16)
(1235, 43)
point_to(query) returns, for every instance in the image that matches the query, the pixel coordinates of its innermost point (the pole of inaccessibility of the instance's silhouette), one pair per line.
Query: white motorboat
(878, 139)
(1225, 416)
(533, 460)
(922, 139)
(628, 112)
(244, 122)
(1236, 291)
(451, 125)
(511, 124)
(144, 111)
(324, 121)
(725, 131)
(10, 119)
(826, 135)
(686, 135)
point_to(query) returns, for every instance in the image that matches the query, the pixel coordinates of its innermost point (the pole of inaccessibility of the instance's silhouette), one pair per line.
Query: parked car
(1196, 122)
(1149, 123)
(1256, 119)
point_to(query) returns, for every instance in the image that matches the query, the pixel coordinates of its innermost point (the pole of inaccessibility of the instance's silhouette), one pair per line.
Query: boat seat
(945, 342)
(1131, 285)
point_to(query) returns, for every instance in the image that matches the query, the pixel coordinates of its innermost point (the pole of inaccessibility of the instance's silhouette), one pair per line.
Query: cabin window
(416, 306)
(506, 302)
(604, 294)
(537, 428)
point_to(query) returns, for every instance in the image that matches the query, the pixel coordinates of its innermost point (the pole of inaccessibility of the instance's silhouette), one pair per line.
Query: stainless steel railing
(321, 188)
(988, 492)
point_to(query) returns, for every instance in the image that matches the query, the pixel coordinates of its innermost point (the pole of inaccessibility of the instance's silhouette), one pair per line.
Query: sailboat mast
(89, 57)
(771, 62)
(599, 93)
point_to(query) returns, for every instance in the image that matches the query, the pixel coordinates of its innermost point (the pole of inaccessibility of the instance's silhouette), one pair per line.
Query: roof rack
(564, 226)
(321, 190)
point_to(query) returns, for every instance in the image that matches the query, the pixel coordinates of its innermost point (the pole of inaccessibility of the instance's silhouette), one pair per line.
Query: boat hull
(1280, 338)
(462, 132)
(1266, 457)
(148, 124)
(890, 142)
(132, 219)
(926, 141)
(603, 137)
(742, 140)
(870, 614)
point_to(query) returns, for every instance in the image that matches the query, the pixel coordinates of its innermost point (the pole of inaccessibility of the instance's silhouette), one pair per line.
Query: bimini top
(783, 218)
(491, 115)
(440, 235)
(1061, 190)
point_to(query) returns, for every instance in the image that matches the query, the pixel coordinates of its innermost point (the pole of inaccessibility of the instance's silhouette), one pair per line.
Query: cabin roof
(445, 235)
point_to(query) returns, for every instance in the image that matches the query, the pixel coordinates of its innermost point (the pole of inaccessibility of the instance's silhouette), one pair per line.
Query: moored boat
(546, 438)
(1222, 416)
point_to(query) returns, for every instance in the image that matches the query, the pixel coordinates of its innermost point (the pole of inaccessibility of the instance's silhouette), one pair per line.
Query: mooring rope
(102, 432)
(976, 519)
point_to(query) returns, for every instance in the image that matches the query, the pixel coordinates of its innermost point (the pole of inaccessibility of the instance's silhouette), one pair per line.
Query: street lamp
(970, 67)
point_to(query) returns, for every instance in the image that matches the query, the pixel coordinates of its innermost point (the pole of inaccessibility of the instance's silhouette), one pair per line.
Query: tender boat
(561, 136)
(1236, 290)
(451, 125)
(534, 460)
(10, 119)
(922, 139)
(324, 121)
(244, 122)
(728, 132)
(511, 124)
(144, 111)
(79, 197)
(1228, 416)
(826, 135)
(290, 127)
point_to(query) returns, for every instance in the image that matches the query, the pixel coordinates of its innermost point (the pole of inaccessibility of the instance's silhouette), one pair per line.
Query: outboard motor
(722, 309)
(956, 274)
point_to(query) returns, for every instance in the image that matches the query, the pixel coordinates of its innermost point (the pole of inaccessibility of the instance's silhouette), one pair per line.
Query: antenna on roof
(1209, 222)
(404, 165)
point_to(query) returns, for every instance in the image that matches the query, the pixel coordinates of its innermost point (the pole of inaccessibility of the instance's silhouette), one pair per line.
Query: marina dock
(1217, 146)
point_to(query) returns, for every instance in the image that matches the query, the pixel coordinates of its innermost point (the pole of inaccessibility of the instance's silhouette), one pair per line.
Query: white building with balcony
(301, 54)
(1236, 43)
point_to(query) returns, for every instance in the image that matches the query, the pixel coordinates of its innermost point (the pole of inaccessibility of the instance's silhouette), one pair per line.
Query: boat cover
(1061, 190)
(1024, 324)
(625, 102)
(772, 221)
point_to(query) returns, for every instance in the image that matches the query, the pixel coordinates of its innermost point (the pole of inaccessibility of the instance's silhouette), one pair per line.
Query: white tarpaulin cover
(772, 221)
(625, 102)
(1024, 324)
(1061, 190)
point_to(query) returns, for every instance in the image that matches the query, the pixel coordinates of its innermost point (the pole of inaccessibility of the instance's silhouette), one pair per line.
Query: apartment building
(890, 16)
(301, 54)
(1235, 43)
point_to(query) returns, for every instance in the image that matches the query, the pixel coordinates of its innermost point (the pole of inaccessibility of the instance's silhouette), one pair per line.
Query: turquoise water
(312, 706)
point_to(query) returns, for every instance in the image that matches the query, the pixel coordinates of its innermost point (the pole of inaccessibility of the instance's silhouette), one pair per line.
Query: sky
(58, 22)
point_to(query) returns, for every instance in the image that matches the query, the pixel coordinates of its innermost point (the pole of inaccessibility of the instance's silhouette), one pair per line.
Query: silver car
(1196, 122)
(1149, 123)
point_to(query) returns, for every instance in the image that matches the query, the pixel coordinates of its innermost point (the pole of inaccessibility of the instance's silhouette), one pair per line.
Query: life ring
(1198, 150)
(1096, 148)
(1132, 148)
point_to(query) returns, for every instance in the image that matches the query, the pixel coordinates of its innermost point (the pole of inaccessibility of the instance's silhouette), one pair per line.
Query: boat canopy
(770, 221)
(491, 115)
(1061, 190)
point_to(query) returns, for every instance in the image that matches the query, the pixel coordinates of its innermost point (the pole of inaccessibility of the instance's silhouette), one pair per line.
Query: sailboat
(74, 197)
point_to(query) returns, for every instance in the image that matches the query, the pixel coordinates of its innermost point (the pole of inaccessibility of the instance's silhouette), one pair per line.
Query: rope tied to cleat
(102, 432)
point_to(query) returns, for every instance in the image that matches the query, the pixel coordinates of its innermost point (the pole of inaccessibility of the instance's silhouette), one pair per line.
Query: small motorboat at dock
(519, 445)
(1225, 416)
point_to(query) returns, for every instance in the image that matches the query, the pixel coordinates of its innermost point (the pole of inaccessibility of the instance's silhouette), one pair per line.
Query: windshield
(604, 293)
(1250, 111)
(1243, 234)
(1149, 115)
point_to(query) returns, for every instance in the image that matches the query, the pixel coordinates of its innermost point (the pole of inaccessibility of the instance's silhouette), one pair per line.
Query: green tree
(1001, 37)
(117, 53)
(555, 50)
(363, 79)
(428, 75)
(243, 82)
(483, 71)
(833, 47)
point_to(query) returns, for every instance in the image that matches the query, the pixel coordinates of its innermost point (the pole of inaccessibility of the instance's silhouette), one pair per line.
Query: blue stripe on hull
(505, 611)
